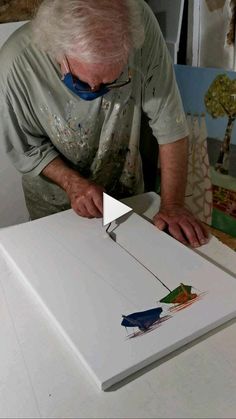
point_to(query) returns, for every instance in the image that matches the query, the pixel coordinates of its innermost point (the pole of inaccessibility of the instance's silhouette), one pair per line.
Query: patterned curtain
(198, 196)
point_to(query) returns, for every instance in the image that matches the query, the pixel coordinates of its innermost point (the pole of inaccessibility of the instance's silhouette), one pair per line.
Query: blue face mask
(83, 90)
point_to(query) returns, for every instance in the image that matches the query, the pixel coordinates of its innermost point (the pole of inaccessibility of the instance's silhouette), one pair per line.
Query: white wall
(207, 34)
(214, 26)
(169, 14)
(12, 205)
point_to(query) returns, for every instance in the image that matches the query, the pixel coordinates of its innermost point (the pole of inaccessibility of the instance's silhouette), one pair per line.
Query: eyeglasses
(83, 87)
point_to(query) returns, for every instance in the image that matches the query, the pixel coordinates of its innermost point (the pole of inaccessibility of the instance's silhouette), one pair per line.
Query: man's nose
(95, 87)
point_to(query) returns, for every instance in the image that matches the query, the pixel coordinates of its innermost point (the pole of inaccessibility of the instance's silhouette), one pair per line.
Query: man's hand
(182, 225)
(86, 197)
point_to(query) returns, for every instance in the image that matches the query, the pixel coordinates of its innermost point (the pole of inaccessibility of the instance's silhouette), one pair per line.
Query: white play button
(113, 209)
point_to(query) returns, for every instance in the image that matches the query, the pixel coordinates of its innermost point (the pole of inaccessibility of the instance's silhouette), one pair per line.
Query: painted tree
(220, 101)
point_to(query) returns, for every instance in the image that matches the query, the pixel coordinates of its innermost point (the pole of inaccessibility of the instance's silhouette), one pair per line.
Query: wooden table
(223, 237)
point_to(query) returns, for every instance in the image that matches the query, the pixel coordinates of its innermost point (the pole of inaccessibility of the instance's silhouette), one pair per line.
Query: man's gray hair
(94, 31)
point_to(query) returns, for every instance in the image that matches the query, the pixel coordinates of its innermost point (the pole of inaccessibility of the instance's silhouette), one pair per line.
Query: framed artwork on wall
(209, 99)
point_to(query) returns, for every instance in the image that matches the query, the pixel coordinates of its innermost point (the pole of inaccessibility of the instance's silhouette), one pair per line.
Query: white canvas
(85, 282)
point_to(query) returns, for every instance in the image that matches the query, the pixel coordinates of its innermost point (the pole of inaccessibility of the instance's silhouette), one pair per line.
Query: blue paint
(142, 319)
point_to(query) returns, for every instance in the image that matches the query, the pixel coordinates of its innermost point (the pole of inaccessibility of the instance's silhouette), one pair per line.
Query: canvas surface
(85, 282)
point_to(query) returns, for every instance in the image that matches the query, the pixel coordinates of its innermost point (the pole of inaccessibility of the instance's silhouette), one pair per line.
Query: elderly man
(73, 84)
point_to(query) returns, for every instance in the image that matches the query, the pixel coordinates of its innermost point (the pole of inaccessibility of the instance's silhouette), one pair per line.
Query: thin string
(109, 225)
(140, 263)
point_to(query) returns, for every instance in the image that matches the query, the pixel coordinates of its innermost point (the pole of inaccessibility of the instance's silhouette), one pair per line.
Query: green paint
(224, 222)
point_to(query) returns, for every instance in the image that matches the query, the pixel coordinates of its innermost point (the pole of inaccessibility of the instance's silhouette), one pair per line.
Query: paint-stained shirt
(41, 118)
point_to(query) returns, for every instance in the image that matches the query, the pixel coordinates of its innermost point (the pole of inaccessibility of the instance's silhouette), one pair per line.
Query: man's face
(93, 74)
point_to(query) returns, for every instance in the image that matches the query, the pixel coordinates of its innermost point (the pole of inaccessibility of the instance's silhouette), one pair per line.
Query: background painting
(194, 83)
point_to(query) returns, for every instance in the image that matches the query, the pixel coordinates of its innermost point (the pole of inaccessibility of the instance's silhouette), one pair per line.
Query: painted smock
(41, 118)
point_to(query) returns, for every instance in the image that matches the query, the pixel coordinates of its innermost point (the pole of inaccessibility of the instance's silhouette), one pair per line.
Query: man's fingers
(98, 201)
(159, 223)
(205, 231)
(202, 233)
(194, 232)
(177, 233)
(190, 233)
(81, 210)
(89, 204)
(92, 208)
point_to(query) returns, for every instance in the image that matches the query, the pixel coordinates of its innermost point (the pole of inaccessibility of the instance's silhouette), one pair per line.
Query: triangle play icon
(113, 209)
